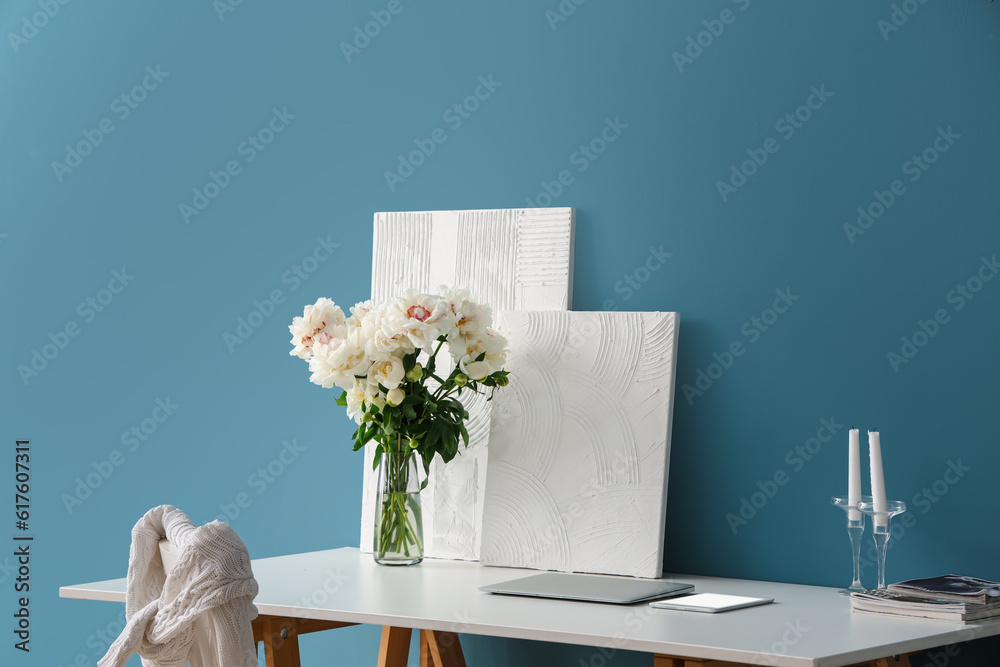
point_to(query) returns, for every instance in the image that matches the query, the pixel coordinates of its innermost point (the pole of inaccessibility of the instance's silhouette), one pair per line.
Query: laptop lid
(589, 587)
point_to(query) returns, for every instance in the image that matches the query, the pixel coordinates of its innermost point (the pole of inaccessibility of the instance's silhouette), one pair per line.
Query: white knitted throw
(212, 576)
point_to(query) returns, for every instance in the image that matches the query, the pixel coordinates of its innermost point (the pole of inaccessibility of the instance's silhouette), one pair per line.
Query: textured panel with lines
(580, 443)
(512, 259)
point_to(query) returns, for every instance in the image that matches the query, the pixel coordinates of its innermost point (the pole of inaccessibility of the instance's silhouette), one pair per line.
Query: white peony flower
(382, 338)
(339, 361)
(356, 400)
(388, 372)
(320, 322)
(362, 395)
(422, 318)
(493, 345)
(471, 318)
(358, 312)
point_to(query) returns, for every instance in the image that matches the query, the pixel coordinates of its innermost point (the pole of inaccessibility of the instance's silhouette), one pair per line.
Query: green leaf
(433, 435)
(450, 445)
(342, 400)
(359, 439)
(418, 430)
(427, 456)
(410, 360)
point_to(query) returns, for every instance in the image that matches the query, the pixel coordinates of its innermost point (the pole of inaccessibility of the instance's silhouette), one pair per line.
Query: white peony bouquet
(384, 358)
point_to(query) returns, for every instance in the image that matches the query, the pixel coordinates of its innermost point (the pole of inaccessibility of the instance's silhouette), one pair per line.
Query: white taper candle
(878, 480)
(853, 473)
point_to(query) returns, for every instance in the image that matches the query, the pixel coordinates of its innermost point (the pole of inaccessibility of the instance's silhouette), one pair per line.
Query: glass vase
(399, 533)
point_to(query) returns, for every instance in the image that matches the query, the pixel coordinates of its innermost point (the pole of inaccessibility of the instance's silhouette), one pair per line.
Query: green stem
(396, 532)
(433, 375)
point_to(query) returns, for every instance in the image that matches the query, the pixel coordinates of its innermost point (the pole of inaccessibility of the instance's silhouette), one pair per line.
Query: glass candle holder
(881, 530)
(855, 529)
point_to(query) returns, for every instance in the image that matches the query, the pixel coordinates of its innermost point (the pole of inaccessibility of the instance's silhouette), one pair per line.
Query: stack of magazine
(948, 598)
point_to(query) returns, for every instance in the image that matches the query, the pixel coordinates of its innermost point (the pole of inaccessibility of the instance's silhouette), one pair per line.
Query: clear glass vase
(399, 534)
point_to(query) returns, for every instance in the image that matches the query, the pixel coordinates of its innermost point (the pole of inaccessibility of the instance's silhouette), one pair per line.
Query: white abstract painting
(580, 443)
(512, 259)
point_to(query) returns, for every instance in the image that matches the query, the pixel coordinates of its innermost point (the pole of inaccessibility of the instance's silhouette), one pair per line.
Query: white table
(807, 626)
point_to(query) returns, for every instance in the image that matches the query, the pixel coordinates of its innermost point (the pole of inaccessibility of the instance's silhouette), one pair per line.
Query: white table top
(806, 626)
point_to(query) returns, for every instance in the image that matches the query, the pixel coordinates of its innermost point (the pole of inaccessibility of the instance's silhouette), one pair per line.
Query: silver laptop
(589, 587)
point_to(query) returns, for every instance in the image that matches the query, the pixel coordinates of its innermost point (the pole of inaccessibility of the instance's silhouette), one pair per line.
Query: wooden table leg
(281, 642)
(897, 661)
(674, 661)
(440, 649)
(395, 647)
(667, 661)
(280, 637)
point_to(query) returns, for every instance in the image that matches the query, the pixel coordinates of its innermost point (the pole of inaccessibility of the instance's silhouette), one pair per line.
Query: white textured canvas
(512, 259)
(580, 443)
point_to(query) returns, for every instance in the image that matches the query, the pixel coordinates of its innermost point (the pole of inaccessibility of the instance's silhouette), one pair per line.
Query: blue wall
(831, 103)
